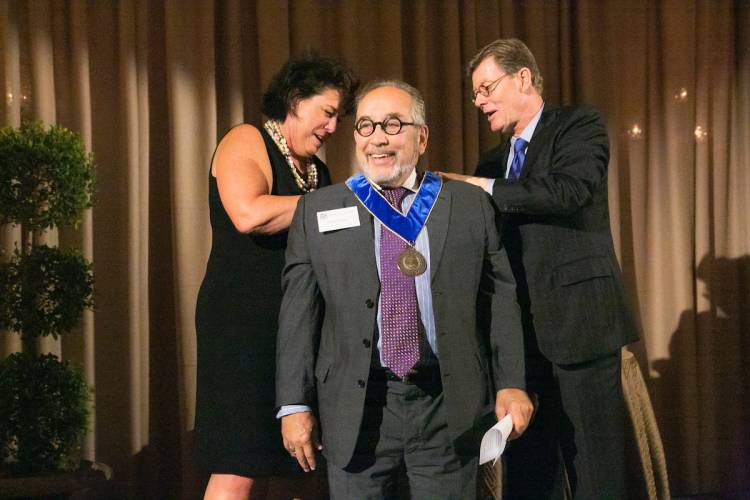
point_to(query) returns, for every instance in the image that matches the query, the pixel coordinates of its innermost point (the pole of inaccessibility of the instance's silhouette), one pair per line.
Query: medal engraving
(411, 262)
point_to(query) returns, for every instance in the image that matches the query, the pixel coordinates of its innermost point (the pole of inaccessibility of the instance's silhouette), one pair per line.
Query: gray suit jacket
(327, 322)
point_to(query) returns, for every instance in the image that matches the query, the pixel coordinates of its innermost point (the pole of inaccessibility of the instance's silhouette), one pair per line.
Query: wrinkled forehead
(487, 70)
(384, 102)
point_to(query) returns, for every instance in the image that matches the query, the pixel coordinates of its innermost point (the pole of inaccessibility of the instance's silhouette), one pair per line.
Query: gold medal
(411, 262)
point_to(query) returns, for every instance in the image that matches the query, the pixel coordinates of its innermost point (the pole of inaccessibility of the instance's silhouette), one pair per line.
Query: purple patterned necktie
(398, 299)
(519, 154)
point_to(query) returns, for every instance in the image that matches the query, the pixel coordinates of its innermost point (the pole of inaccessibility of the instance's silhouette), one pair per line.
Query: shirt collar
(529, 130)
(410, 183)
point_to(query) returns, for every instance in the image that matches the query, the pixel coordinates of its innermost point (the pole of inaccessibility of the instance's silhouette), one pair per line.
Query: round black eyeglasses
(391, 126)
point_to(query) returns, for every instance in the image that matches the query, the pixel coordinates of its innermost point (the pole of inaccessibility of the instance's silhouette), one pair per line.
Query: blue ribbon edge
(406, 226)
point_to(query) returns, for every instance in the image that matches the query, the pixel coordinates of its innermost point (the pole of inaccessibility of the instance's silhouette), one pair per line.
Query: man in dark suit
(386, 280)
(550, 189)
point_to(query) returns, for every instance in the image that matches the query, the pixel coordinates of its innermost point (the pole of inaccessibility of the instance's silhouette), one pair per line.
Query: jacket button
(369, 303)
(361, 383)
(366, 342)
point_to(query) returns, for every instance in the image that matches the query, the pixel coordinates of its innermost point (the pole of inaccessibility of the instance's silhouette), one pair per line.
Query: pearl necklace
(306, 164)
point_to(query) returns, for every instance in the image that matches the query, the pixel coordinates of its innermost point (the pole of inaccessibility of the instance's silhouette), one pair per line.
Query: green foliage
(46, 176)
(43, 413)
(46, 179)
(45, 291)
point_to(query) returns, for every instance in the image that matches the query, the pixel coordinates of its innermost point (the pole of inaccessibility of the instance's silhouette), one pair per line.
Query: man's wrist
(292, 409)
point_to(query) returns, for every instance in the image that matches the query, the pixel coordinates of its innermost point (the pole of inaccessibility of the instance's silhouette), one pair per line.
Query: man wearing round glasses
(399, 325)
(385, 156)
(549, 183)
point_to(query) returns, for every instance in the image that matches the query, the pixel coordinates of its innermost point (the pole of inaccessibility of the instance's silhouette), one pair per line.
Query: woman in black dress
(257, 175)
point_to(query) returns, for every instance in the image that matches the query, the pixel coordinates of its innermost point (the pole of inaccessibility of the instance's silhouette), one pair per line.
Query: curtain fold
(10, 58)
(152, 85)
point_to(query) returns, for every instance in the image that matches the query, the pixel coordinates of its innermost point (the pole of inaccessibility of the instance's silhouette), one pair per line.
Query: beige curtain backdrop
(152, 84)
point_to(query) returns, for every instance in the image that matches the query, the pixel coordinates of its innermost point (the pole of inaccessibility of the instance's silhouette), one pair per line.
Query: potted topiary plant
(46, 180)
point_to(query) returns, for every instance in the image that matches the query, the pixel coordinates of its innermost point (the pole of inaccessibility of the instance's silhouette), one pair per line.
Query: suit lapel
(504, 161)
(492, 163)
(538, 141)
(362, 242)
(437, 227)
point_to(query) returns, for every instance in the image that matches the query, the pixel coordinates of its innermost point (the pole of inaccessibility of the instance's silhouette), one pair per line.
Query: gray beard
(384, 180)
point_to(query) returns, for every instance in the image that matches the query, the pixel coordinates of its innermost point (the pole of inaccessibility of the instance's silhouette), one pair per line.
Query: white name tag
(340, 218)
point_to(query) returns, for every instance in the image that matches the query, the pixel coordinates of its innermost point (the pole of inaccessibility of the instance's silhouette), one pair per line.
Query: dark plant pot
(89, 477)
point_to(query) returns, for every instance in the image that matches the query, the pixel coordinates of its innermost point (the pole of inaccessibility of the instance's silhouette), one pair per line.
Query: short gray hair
(417, 101)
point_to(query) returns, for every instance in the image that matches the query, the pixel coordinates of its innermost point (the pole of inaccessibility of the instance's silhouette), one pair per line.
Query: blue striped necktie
(519, 154)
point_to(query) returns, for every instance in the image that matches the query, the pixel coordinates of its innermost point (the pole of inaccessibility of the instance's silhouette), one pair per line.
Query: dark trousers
(579, 429)
(404, 427)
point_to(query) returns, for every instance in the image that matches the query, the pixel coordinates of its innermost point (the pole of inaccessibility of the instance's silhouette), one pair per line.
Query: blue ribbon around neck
(407, 226)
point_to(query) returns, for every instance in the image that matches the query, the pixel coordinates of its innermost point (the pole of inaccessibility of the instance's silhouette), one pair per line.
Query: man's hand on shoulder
(480, 182)
(517, 403)
(299, 432)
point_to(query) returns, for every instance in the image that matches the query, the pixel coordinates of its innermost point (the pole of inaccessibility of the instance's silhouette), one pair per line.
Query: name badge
(340, 218)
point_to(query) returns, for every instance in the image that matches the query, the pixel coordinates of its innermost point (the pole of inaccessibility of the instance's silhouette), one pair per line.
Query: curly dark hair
(307, 75)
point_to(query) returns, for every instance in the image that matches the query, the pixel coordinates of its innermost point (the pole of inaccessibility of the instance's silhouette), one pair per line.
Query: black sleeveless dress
(236, 319)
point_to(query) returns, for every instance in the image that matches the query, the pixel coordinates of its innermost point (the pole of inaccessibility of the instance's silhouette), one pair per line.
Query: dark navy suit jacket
(556, 228)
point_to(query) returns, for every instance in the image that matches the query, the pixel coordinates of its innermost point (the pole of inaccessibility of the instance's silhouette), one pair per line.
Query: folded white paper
(493, 442)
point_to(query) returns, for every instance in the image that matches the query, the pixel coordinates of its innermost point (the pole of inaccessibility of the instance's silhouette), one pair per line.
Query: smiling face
(504, 107)
(310, 123)
(386, 159)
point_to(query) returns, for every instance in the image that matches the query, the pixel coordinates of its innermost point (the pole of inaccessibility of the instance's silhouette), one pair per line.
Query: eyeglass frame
(382, 125)
(486, 89)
